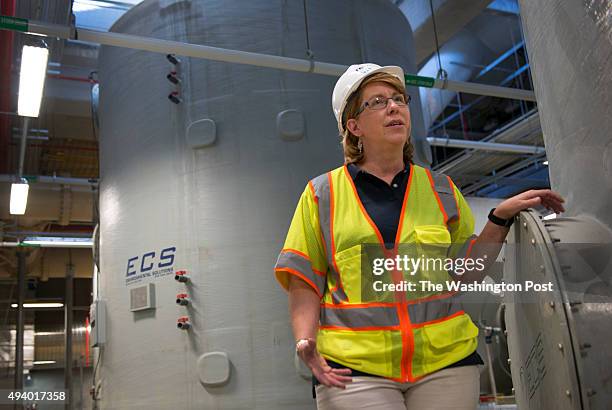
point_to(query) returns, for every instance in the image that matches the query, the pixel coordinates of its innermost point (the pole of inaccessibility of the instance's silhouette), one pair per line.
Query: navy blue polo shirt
(383, 203)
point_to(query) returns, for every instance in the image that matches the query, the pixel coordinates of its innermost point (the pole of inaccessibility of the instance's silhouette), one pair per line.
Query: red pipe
(7, 8)
(86, 341)
(66, 77)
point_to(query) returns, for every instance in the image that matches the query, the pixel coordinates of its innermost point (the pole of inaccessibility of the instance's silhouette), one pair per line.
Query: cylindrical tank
(201, 176)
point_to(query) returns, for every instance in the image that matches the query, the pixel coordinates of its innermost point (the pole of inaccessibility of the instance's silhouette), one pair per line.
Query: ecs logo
(150, 260)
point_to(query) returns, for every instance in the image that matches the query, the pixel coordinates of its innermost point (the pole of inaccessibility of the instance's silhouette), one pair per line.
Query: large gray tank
(208, 186)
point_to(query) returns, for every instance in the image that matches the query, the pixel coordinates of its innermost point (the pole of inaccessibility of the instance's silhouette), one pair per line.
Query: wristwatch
(300, 344)
(500, 221)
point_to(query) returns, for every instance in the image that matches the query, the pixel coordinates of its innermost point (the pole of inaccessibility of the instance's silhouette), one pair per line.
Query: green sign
(419, 81)
(13, 23)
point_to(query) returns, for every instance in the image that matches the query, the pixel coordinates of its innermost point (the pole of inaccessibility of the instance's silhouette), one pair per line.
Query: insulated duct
(559, 344)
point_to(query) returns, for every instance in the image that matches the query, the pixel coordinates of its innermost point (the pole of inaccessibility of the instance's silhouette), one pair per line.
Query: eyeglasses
(379, 102)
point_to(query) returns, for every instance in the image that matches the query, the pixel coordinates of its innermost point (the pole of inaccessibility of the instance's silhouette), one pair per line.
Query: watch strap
(500, 221)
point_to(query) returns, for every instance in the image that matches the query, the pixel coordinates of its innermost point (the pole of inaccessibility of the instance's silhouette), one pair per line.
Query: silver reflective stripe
(462, 252)
(427, 311)
(323, 195)
(293, 261)
(362, 317)
(444, 190)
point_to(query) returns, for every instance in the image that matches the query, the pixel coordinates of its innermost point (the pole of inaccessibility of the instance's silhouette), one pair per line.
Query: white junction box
(97, 314)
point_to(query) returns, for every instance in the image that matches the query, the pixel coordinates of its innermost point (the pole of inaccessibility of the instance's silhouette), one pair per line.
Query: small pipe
(68, 320)
(487, 146)
(54, 180)
(21, 289)
(490, 367)
(22, 148)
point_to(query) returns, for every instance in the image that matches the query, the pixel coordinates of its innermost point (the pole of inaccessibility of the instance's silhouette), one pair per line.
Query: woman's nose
(392, 106)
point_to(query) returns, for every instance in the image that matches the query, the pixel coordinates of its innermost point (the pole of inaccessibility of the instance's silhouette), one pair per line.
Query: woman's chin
(398, 137)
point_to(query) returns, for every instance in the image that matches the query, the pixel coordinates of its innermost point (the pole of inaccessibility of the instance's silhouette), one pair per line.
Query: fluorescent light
(48, 333)
(43, 362)
(545, 162)
(550, 216)
(40, 305)
(19, 198)
(58, 242)
(32, 80)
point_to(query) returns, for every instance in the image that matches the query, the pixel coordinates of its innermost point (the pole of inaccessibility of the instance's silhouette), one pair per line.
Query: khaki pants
(454, 388)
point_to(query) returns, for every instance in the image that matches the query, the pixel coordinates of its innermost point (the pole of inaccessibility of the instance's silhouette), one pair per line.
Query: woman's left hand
(529, 199)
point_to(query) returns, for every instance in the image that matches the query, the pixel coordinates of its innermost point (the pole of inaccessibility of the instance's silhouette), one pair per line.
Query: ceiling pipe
(486, 146)
(22, 146)
(7, 8)
(240, 57)
(54, 180)
(43, 245)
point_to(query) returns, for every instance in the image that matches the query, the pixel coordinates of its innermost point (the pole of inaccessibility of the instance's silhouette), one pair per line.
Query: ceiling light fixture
(19, 197)
(32, 80)
(58, 242)
(39, 305)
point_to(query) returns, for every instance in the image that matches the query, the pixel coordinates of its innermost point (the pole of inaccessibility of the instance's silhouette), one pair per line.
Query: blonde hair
(350, 141)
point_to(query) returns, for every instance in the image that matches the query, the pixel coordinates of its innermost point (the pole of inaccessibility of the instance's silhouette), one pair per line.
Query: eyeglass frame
(365, 105)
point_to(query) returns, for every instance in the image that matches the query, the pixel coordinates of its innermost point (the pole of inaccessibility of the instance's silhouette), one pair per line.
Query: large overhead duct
(462, 57)
(450, 17)
(559, 344)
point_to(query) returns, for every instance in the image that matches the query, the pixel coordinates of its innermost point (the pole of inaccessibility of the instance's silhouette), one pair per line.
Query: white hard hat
(352, 79)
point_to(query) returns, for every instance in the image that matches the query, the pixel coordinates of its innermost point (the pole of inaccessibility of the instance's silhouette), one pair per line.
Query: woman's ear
(353, 127)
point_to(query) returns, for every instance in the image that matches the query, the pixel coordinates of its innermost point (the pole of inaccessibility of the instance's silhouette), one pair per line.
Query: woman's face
(387, 126)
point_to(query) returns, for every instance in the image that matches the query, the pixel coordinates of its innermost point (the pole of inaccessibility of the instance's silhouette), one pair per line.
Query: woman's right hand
(326, 375)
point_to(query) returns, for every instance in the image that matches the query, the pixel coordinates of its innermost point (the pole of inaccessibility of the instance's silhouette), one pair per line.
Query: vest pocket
(348, 262)
(451, 331)
(432, 244)
(447, 342)
(432, 235)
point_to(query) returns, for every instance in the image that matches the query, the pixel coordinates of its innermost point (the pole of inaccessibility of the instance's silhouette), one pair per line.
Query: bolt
(568, 393)
(525, 225)
(574, 306)
(551, 304)
(560, 346)
(513, 390)
(509, 361)
(542, 269)
(533, 241)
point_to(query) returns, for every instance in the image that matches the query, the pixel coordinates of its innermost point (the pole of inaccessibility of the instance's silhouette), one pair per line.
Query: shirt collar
(354, 170)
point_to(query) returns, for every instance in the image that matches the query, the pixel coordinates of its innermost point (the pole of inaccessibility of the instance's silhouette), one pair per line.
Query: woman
(410, 351)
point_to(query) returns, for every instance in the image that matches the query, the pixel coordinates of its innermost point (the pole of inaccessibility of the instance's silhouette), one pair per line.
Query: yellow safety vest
(399, 338)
